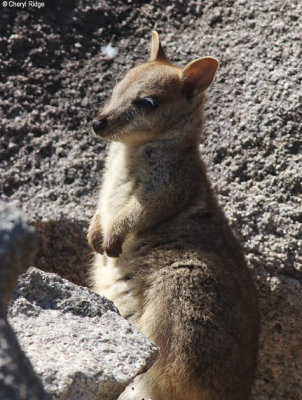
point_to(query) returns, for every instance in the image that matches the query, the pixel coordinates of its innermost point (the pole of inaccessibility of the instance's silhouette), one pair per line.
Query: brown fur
(167, 256)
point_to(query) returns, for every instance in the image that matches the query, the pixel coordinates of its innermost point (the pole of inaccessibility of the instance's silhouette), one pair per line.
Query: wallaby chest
(117, 187)
(140, 174)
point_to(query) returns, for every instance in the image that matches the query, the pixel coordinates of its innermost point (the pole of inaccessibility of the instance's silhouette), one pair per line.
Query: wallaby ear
(157, 52)
(199, 74)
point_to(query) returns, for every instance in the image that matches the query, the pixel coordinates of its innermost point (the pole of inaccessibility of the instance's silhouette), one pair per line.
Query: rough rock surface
(53, 77)
(78, 343)
(17, 248)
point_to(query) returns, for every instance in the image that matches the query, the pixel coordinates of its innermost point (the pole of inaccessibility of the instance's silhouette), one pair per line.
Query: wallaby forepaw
(113, 246)
(95, 235)
(96, 243)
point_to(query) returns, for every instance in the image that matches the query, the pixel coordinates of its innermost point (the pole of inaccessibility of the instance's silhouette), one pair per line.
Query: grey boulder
(78, 343)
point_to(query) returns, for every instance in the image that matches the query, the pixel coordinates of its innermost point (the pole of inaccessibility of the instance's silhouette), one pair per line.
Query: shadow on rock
(63, 249)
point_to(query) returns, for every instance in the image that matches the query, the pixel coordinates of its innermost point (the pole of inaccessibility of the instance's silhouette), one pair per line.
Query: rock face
(53, 78)
(17, 249)
(77, 341)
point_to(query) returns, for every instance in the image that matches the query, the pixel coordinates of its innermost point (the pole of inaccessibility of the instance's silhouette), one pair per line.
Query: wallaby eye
(146, 103)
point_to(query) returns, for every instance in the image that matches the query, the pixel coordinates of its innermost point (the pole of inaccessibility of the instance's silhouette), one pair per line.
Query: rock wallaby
(165, 253)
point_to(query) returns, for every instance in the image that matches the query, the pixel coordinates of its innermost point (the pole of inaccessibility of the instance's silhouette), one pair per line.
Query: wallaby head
(156, 99)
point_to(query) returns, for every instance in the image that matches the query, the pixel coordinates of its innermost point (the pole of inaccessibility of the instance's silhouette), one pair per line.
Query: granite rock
(78, 343)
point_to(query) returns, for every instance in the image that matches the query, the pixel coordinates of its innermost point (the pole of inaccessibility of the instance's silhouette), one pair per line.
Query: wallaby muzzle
(99, 125)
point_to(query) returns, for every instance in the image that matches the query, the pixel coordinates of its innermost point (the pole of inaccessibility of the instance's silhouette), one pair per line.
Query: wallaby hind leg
(146, 387)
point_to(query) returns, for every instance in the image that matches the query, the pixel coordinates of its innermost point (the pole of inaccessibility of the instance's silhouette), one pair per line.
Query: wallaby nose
(99, 125)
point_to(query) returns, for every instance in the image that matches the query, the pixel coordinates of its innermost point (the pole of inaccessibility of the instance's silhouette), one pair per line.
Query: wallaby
(166, 255)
